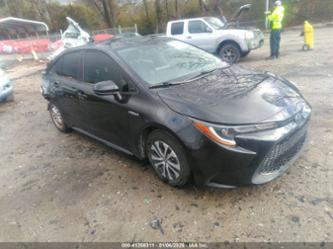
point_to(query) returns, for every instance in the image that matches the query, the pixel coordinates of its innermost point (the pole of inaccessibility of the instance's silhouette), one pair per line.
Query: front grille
(282, 153)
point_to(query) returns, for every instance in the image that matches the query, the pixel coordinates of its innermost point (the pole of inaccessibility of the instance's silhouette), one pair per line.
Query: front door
(109, 117)
(200, 35)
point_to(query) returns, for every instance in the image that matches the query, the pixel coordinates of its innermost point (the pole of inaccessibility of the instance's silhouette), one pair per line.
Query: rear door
(65, 75)
(177, 30)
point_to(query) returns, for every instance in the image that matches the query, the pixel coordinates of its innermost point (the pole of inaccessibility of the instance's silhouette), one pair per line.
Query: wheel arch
(228, 41)
(143, 136)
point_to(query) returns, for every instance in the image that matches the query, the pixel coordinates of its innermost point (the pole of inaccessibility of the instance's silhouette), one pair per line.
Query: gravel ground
(66, 187)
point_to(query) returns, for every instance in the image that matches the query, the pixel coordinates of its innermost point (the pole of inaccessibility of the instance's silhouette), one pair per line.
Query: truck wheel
(244, 54)
(230, 53)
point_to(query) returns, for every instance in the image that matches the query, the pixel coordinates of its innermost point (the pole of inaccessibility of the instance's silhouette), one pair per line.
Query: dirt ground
(66, 187)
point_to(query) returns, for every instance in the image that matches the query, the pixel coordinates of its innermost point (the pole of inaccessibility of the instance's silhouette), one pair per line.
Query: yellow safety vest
(276, 17)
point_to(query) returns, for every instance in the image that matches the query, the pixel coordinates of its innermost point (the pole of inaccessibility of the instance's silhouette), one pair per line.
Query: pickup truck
(215, 36)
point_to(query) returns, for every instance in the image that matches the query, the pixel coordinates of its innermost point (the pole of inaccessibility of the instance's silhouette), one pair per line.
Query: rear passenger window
(69, 65)
(177, 28)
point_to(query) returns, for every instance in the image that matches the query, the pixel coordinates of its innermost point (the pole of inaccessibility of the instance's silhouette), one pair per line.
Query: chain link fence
(116, 31)
(41, 46)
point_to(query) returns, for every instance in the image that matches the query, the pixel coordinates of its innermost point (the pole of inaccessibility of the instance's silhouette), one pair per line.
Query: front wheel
(168, 158)
(230, 53)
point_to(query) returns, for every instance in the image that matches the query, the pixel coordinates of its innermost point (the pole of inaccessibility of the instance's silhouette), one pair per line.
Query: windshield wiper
(166, 84)
(203, 73)
(173, 83)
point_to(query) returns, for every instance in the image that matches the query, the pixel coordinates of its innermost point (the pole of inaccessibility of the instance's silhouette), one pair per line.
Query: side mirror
(209, 30)
(106, 88)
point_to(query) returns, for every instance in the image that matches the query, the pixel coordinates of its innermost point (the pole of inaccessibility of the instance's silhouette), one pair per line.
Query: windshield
(215, 22)
(162, 61)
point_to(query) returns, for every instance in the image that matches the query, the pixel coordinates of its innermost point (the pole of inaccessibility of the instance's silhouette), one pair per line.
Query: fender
(236, 36)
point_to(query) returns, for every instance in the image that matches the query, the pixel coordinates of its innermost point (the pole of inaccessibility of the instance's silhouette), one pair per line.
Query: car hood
(240, 12)
(234, 96)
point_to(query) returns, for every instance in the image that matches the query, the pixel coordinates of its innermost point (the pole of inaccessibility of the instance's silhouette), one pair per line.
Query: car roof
(112, 45)
(190, 19)
(115, 44)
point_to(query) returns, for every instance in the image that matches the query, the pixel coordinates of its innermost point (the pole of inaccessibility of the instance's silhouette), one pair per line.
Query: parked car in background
(73, 36)
(6, 88)
(191, 114)
(217, 36)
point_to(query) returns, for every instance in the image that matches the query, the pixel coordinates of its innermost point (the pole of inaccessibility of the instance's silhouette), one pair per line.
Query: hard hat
(278, 3)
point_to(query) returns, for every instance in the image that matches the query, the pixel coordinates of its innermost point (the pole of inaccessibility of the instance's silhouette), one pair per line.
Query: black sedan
(192, 115)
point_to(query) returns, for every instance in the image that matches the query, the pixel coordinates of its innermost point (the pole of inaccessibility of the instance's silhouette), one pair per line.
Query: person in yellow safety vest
(275, 18)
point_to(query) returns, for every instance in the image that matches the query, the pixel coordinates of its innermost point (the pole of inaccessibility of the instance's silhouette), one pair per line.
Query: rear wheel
(10, 97)
(57, 118)
(168, 158)
(230, 53)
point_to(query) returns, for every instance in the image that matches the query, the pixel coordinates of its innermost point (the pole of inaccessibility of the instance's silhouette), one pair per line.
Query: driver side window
(100, 67)
(195, 27)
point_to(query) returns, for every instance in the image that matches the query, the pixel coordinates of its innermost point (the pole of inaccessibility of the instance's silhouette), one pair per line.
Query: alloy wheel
(229, 54)
(56, 117)
(165, 160)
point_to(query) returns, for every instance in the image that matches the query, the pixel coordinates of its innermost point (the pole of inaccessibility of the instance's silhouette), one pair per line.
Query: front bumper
(257, 41)
(259, 158)
(5, 93)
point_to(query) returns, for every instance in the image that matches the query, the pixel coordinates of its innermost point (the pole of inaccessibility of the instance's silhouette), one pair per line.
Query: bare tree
(159, 22)
(167, 8)
(145, 5)
(107, 9)
(201, 6)
(177, 9)
(217, 6)
(113, 7)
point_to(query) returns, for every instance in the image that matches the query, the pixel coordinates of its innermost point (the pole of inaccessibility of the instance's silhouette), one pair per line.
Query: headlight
(225, 135)
(249, 35)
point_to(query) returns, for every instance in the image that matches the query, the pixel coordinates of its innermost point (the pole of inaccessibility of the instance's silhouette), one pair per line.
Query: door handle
(189, 37)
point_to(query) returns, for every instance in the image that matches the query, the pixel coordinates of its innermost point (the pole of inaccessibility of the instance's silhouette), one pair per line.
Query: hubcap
(165, 160)
(56, 116)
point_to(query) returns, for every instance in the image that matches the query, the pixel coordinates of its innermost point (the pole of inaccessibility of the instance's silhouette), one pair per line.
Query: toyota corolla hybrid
(192, 115)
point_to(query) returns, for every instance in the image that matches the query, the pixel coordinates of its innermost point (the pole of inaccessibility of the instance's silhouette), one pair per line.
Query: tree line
(151, 16)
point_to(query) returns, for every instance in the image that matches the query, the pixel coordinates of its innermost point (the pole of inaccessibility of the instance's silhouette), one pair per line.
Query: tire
(10, 97)
(230, 52)
(57, 118)
(305, 47)
(244, 54)
(168, 158)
